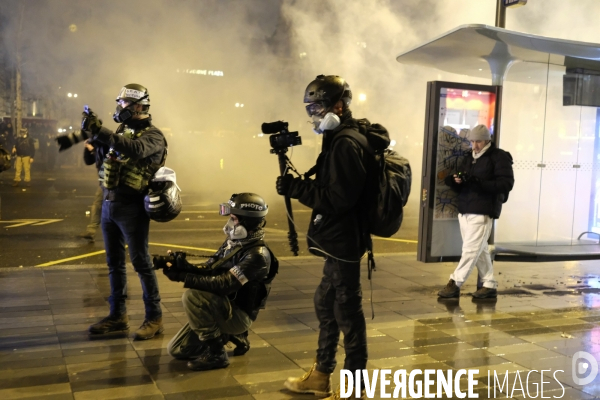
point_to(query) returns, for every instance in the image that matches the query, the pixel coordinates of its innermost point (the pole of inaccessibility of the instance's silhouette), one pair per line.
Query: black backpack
(389, 181)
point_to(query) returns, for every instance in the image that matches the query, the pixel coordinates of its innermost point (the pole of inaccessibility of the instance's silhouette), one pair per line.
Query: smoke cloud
(199, 59)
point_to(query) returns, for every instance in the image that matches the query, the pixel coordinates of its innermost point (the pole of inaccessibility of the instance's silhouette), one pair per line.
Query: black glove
(175, 274)
(91, 122)
(283, 184)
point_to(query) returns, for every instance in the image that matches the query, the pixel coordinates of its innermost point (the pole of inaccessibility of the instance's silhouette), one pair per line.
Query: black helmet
(245, 205)
(162, 203)
(328, 90)
(135, 93)
(250, 209)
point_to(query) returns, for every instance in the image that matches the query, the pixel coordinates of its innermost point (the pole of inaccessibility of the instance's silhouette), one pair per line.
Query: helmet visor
(224, 209)
(316, 108)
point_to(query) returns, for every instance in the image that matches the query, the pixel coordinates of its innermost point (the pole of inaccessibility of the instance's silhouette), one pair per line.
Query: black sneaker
(451, 290)
(242, 344)
(214, 357)
(485, 293)
(87, 235)
(112, 323)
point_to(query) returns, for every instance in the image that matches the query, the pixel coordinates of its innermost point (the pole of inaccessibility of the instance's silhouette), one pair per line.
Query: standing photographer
(226, 293)
(336, 232)
(129, 157)
(483, 183)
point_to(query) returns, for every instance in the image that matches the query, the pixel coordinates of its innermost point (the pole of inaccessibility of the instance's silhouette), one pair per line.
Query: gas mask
(235, 232)
(122, 115)
(328, 122)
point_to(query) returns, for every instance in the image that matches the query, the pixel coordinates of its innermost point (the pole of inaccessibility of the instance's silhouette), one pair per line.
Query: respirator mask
(121, 114)
(322, 123)
(328, 122)
(235, 232)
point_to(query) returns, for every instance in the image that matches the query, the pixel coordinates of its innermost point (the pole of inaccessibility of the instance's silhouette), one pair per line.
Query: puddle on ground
(538, 287)
(515, 292)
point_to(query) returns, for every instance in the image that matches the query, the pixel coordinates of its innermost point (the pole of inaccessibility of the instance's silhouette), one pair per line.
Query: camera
(282, 138)
(160, 262)
(463, 176)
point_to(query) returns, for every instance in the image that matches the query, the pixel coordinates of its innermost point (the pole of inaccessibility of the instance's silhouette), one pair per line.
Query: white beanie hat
(480, 132)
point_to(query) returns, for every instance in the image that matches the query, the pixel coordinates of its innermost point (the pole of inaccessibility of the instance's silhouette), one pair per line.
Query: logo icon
(584, 363)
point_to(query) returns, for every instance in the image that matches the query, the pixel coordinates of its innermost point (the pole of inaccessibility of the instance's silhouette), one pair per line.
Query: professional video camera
(76, 136)
(282, 138)
(280, 142)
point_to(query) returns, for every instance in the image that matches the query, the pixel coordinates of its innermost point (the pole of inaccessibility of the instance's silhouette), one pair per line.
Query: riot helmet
(249, 208)
(163, 201)
(132, 94)
(324, 92)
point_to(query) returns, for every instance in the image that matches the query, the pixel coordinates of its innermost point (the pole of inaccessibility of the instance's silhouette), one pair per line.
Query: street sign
(514, 3)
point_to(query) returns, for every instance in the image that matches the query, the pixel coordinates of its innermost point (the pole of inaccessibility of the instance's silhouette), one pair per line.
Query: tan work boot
(312, 382)
(149, 329)
(112, 323)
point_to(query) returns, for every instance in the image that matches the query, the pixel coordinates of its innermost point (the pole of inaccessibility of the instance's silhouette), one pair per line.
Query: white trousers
(475, 230)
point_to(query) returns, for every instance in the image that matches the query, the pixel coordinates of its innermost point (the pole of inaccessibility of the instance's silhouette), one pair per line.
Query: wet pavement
(545, 313)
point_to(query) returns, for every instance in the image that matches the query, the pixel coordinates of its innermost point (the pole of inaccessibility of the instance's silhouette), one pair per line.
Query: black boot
(112, 323)
(242, 344)
(213, 357)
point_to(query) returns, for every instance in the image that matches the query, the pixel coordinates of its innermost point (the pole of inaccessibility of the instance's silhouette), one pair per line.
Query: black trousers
(338, 305)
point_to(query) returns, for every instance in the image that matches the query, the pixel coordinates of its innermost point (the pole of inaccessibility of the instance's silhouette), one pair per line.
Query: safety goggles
(316, 108)
(224, 209)
(123, 103)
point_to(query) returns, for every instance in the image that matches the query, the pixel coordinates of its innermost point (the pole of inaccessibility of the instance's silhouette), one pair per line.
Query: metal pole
(500, 14)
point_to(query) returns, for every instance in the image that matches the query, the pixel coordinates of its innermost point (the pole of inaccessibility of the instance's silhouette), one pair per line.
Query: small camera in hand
(160, 262)
(463, 176)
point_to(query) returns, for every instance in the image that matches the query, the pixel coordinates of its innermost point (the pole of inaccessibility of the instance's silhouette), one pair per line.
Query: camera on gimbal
(282, 138)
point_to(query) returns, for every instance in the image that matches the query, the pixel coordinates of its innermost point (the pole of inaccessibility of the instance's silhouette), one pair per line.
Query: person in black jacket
(336, 231)
(483, 183)
(224, 294)
(129, 158)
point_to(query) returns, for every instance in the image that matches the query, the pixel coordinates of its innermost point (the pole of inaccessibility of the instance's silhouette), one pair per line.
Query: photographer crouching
(224, 294)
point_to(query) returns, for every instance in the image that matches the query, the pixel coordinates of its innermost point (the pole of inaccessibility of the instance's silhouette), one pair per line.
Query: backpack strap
(353, 133)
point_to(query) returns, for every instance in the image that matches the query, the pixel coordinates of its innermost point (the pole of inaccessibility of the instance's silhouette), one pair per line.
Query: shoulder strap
(357, 136)
(228, 257)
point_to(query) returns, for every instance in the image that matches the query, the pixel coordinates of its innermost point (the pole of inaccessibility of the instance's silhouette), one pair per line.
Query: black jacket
(490, 179)
(150, 145)
(96, 157)
(25, 147)
(241, 278)
(336, 195)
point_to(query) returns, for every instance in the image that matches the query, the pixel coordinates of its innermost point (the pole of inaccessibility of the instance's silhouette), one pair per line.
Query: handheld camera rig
(280, 141)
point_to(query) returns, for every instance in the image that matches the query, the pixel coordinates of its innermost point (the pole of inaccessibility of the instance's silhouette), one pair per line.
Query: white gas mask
(235, 232)
(328, 122)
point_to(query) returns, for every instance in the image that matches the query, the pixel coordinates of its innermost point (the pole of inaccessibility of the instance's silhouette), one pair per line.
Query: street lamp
(69, 94)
